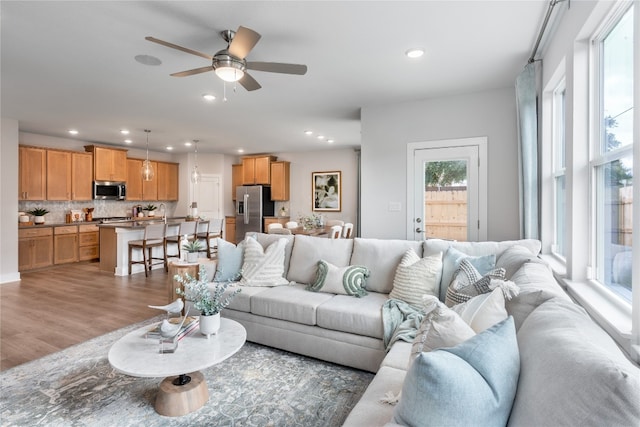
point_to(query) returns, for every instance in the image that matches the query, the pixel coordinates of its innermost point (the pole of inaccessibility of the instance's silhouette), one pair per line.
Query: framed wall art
(327, 191)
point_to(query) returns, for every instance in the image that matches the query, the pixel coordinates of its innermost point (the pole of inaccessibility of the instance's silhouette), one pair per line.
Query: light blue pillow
(451, 261)
(471, 384)
(230, 259)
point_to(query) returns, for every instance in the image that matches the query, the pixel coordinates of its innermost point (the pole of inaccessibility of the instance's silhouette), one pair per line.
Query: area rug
(258, 386)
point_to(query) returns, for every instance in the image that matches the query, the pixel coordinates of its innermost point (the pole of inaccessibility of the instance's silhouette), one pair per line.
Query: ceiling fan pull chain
(224, 91)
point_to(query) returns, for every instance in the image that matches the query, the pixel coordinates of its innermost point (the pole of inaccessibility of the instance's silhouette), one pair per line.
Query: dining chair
(153, 238)
(332, 222)
(186, 228)
(336, 232)
(347, 230)
(273, 226)
(291, 224)
(207, 230)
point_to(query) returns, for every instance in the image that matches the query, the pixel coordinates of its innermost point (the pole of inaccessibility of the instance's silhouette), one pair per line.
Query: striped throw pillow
(416, 277)
(349, 280)
(263, 267)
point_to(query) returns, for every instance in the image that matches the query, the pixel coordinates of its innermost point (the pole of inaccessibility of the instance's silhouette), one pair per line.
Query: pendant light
(195, 173)
(147, 169)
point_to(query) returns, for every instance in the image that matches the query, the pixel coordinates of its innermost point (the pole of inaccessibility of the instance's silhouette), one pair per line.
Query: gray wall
(387, 129)
(9, 205)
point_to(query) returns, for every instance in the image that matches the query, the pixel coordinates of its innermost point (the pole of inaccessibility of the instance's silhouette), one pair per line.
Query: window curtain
(527, 117)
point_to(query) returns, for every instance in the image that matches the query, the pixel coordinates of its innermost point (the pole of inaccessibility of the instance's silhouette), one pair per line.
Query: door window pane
(445, 198)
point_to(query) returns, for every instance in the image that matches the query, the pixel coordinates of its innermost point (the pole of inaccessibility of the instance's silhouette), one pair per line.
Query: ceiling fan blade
(175, 46)
(192, 72)
(278, 67)
(249, 83)
(242, 43)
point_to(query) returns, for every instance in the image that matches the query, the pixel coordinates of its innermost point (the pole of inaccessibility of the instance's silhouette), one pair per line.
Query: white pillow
(263, 267)
(416, 277)
(483, 311)
(349, 280)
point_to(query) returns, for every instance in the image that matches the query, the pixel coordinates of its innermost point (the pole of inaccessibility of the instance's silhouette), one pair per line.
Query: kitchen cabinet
(32, 166)
(35, 248)
(168, 178)
(134, 179)
(65, 244)
(257, 170)
(230, 229)
(280, 180)
(150, 188)
(236, 179)
(58, 175)
(81, 176)
(88, 242)
(109, 164)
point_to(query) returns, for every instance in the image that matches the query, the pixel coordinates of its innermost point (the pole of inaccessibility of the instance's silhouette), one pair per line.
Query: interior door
(209, 196)
(446, 198)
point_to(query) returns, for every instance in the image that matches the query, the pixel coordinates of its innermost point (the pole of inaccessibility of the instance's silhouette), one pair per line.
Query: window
(612, 158)
(559, 165)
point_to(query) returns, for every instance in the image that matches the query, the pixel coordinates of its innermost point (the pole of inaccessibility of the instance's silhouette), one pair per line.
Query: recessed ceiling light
(169, 148)
(414, 53)
(73, 131)
(308, 132)
(124, 132)
(187, 144)
(240, 150)
(209, 97)
(320, 137)
(331, 141)
(128, 141)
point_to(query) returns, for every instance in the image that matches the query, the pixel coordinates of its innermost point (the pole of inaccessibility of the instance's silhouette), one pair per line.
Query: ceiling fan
(230, 63)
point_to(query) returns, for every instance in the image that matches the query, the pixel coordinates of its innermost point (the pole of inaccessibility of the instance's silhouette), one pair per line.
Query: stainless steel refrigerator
(253, 203)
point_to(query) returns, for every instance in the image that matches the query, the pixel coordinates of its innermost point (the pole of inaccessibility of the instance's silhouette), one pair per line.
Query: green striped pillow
(349, 280)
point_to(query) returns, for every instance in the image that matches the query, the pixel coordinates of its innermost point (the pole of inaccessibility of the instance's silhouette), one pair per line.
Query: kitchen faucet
(164, 212)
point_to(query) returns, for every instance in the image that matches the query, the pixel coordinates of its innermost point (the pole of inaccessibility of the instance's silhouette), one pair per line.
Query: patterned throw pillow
(263, 267)
(416, 277)
(441, 327)
(467, 283)
(349, 280)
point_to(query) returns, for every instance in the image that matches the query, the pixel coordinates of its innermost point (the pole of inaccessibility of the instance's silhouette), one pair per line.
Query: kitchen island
(114, 243)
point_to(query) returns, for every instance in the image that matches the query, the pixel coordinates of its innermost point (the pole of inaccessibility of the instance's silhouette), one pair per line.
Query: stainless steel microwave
(109, 190)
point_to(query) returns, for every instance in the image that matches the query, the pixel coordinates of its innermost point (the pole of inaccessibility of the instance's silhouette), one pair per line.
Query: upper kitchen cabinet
(257, 170)
(134, 179)
(167, 175)
(58, 175)
(81, 176)
(32, 165)
(236, 179)
(280, 181)
(109, 164)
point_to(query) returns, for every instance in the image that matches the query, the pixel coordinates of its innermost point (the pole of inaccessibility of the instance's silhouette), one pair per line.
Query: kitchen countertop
(138, 223)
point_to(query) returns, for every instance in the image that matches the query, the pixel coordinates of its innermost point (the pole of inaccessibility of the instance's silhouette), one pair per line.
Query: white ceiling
(71, 65)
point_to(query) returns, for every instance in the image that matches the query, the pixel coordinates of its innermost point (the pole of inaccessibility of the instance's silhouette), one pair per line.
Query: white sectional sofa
(571, 371)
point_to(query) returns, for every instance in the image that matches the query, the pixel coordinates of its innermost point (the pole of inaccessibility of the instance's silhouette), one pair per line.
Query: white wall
(9, 197)
(387, 129)
(212, 164)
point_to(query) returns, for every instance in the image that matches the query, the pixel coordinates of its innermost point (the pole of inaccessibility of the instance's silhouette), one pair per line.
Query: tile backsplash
(102, 208)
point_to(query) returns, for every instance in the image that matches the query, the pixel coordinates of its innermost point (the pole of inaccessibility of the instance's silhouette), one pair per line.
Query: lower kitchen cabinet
(230, 229)
(35, 248)
(88, 242)
(65, 244)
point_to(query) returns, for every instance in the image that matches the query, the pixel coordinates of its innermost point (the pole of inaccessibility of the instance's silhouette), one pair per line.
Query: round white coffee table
(184, 389)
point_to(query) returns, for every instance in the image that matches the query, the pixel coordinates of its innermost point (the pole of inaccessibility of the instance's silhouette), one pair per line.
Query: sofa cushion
(416, 277)
(513, 258)
(292, 303)
(381, 257)
(308, 250)
(242, 300)
(473, 383)
(362, 316)
(349, 280)
(441, 327)
(230, 258)
(572, 372)
(398, 355)
(483, 311)
(263, 267)
(267, 239)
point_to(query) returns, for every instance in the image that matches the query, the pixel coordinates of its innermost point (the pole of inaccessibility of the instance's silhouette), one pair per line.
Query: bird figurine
(174, 307)
(168, 329)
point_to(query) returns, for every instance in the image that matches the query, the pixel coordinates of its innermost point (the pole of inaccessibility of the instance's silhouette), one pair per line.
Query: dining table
(316, 231)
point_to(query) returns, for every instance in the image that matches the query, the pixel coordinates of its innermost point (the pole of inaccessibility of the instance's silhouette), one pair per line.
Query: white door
(447, 197)
(207, 192)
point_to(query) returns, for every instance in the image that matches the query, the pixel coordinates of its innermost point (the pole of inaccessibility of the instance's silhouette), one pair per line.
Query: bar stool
(186, 228)
(207, 230)
(153, 238)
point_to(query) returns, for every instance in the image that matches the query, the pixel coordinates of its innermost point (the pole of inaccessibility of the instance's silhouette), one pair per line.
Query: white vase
(209, 324)
(151, 213)
(192, 256)
(38, 219)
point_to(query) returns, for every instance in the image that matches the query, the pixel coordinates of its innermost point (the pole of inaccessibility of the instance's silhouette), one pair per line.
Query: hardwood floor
(55, 308)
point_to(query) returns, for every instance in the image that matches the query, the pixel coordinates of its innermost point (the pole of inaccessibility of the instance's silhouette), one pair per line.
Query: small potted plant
(192, 249)
(207, 301)
(150, 208)
(38, 215)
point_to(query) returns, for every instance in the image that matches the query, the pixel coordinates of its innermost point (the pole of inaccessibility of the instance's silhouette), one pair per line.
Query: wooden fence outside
(625, 197)
(446, 213)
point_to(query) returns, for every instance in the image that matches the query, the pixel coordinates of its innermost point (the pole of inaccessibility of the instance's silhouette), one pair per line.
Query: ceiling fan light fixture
(228, 68)
(229, 74)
